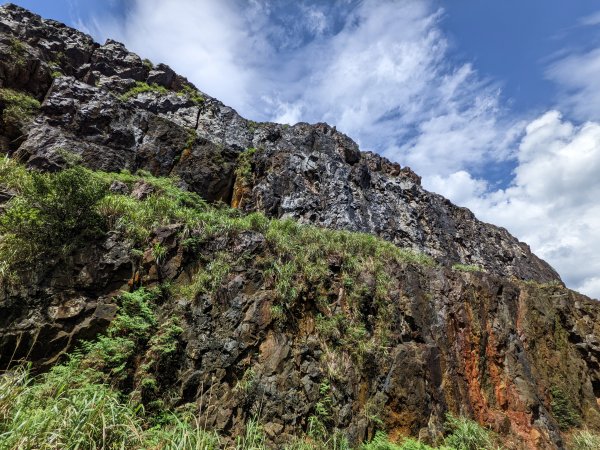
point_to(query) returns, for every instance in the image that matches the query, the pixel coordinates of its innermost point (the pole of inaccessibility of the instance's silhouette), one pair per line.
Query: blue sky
(495, 103)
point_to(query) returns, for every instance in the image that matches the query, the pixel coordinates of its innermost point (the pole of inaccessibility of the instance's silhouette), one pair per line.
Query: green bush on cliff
(50, 214)
(51, 209)
(131, 329)
(563, 410)
(193, 94)
(466, 434)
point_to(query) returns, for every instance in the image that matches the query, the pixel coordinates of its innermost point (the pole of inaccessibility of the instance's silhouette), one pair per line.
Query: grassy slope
(90, 400)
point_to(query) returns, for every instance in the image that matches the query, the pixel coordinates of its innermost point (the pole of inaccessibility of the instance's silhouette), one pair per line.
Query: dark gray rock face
(317, 175)
(63, 302)
(308, 172)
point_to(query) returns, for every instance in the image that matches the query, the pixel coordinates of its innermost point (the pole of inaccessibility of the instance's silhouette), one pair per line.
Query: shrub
(563, 410)
(193, 94)
(53, 209)
(147, 63)
(382, 442)
(130, 331)
(50, 214)
(243, 170)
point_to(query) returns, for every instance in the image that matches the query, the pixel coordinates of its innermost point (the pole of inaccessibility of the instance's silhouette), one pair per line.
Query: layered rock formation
(499, 346)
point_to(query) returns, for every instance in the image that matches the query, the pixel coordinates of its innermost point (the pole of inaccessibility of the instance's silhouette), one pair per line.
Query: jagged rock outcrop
(493, 346)
(312, 173)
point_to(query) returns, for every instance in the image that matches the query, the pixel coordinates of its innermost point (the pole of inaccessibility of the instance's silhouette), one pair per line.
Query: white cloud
(591, 20)
(578, 78)
(459, 186)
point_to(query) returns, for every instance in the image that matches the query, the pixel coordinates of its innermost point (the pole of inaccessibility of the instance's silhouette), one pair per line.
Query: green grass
(466, 434)
(17, 107)
(584, 440)
(62, 409)
(193, 94)
(141, 87)
(17, 51)
(67, 409)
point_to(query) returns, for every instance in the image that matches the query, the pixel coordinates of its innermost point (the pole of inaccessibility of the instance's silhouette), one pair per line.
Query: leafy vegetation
(243, 170)
(17, 51)
(141, 86)
(51, 214)
(193, 94)
(17, 107)
(466, 434)
(563, 410)
(148, 64)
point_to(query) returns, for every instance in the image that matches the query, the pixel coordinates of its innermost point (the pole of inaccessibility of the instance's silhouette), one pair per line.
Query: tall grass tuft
(62, 409)
(466, 434)
(585, 440)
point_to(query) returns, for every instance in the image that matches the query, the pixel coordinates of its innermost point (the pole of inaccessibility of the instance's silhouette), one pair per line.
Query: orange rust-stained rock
(240, 191)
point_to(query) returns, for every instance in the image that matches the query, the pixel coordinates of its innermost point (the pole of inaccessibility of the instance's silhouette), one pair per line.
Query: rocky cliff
(295, 323)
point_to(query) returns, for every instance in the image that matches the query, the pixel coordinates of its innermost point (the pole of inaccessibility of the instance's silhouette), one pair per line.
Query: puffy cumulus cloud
(459, 186)
(553, 201)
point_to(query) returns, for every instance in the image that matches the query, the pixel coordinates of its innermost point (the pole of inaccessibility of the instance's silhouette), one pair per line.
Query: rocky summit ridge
(487, 330)
(312, 173)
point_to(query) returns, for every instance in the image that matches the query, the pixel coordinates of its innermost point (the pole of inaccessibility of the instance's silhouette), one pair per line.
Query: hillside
(273, 282)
